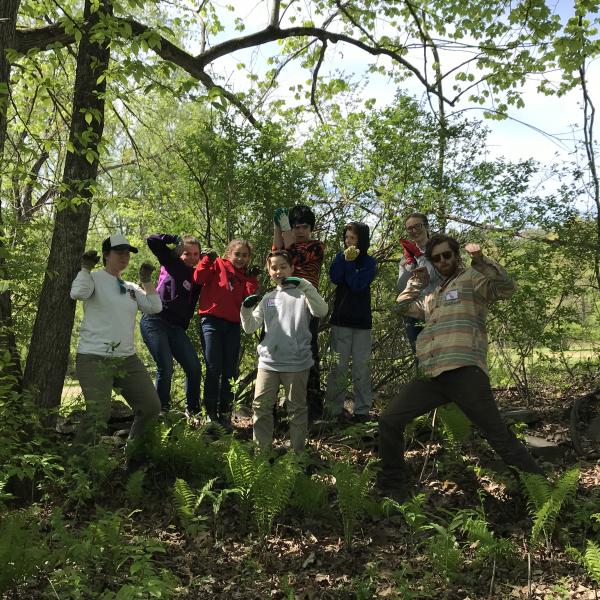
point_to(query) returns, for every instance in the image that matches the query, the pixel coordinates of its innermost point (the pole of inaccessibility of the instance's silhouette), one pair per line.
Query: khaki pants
(265, 396)
(98, 375)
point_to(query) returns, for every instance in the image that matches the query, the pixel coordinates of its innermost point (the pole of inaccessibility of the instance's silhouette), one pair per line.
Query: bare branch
(272, 35)
(358, 26)
(274, 19)
(313, 88)
(195, 66)
(25, 204)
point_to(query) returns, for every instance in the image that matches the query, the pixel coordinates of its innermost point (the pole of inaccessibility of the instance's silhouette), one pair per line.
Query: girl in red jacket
(226, 283)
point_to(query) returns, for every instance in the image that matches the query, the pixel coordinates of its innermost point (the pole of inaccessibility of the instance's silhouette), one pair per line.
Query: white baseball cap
(117, 242)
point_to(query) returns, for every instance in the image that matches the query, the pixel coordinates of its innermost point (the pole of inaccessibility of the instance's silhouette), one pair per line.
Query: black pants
(314, 394)
(469, 388)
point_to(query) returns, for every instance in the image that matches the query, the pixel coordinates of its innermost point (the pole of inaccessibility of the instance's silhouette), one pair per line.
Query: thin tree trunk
(50, 341)
(8, 23)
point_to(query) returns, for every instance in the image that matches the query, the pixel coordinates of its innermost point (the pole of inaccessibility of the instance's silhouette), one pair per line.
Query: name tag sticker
(271, 302)
(187, 285)
(451, 295)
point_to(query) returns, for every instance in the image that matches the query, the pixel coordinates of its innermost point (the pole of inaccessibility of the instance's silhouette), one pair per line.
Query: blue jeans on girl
(221, 348)
(165, 342)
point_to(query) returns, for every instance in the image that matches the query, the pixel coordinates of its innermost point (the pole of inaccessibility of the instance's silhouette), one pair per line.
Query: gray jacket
(285, 314)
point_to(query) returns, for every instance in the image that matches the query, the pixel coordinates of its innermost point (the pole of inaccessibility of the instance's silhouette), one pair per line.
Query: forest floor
(305, 558)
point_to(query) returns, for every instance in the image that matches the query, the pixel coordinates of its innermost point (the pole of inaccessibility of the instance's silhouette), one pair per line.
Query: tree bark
(8, 24)
(50, 341)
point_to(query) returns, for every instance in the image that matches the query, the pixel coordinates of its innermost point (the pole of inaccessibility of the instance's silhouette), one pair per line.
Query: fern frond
(242, 468)
(537, 489)
(134, 489)
(456, 427)
(185, 501)
(591, 560)
(188, 501)
(352, 490)
(310, 495)
(272, 490)
(545, 517)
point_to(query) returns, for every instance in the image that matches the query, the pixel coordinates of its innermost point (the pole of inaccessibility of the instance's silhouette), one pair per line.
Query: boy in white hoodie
(284, 354)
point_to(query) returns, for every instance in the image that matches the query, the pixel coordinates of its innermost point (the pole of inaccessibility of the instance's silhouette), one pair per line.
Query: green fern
(22, 550)
(481, 537)
(538, 490)
(310, 495)
(183, 452)
(242, 468)
(187, 503)
(455, 426)
(263, 488)
(547, 501)
(443, 550)
(591, 560)
(272, 490)
(134, 489)
(352, 491)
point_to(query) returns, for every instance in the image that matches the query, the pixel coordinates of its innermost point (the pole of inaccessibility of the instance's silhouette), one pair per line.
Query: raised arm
(157, 243)
(252, 318)
(206, 268)
(316, 304)
(407, 302)
(83, 284)
(495, 282)
(147, 299)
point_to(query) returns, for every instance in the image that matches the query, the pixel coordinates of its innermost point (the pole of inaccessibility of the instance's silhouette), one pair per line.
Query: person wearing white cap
(106, 357)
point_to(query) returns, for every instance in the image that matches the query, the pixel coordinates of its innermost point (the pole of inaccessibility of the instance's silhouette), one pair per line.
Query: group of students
(444, 305)
(224, 292)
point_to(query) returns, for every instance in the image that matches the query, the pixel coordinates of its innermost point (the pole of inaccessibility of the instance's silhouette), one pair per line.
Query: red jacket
(225, 287)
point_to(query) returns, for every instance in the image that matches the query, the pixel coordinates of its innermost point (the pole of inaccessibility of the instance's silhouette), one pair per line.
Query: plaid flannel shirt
(455, 314)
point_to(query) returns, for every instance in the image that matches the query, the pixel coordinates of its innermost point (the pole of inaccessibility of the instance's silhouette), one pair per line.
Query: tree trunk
(50, 341)
(8, 23)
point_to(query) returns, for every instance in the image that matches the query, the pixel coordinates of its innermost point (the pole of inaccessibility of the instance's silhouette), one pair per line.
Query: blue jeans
(165, 342)
(221, 348)
(413, 328)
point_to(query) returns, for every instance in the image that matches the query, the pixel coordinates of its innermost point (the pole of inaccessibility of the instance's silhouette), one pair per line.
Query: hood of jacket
(363, 236)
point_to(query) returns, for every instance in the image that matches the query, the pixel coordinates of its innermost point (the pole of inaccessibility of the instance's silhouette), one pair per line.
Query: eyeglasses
(121, 284)
(447, 255)
(416, 227)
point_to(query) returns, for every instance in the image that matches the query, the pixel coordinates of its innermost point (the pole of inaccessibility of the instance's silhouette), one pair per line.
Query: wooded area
(146, 116)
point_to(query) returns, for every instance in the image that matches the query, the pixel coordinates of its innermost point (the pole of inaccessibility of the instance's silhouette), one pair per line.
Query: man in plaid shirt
(452, 352)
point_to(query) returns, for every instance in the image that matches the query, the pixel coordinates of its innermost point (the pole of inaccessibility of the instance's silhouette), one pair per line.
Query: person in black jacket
(165, 334)
(352, 270)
